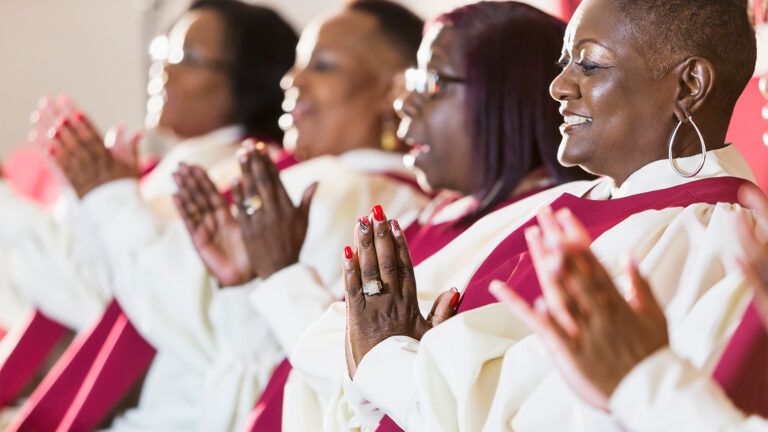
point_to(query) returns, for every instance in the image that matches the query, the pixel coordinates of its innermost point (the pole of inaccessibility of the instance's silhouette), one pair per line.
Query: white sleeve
(290, 301)
(53, 258)
(666, 393)
(158, 278)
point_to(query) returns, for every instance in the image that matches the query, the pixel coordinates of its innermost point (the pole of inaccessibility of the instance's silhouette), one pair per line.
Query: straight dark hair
(510, 51)
(261, 47)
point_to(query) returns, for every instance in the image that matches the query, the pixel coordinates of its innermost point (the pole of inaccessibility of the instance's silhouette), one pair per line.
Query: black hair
(262, 48)
(401, 27)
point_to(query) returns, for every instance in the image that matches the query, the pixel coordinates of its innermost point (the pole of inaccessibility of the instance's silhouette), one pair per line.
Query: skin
(603, 69)
(342, 86)
(607, 78)
(197, 99)
(437, 129)
(595, 335)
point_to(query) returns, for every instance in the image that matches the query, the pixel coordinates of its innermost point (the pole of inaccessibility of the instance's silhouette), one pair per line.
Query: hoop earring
(703, 150)
(388, 140)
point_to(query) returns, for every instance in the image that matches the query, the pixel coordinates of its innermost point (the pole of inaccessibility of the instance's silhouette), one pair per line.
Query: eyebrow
(581, 42)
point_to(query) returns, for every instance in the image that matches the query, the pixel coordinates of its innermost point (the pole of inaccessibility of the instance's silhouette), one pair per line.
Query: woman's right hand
(214, 231)
(86, 159)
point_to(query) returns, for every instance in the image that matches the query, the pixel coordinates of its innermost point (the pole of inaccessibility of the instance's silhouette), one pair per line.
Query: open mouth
(574, 122)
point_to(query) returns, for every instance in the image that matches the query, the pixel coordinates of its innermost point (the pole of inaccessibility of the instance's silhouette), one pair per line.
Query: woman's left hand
(86, 159)
(273, 228)
(595, 335)
(382, 262)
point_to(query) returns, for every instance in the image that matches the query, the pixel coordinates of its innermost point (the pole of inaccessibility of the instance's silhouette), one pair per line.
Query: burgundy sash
(99, 377)
(743, 369)
(29, 354)
(510, 261)
(49, 401)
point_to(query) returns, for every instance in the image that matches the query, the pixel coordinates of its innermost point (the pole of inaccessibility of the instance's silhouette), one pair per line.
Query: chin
(571, 154)
(423, 181)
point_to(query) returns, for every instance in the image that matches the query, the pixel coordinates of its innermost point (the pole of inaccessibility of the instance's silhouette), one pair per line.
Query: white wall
(94, 51)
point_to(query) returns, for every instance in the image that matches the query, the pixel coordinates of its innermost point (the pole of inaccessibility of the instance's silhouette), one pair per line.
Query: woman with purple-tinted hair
(482, 131)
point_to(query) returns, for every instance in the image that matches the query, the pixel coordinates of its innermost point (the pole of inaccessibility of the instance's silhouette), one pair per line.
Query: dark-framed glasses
(429, 83)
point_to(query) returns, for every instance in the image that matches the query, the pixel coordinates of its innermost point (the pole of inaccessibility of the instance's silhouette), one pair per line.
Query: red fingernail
(363, 223)
(79, 116)
(347, 252)
(455, 300)
(395, 225)
(378, 213)
(63, 122)
(50, 149)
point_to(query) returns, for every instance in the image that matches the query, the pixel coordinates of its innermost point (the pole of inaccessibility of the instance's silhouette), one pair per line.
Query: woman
(622, 351)
(454, 118)
(658, 187)
(225, 345)
(225, 63)
(344, 133)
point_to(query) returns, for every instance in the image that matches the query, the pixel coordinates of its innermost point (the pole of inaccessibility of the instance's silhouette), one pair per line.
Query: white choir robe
(316, 382)
(215, 351)
(483, 370)
(666, 393)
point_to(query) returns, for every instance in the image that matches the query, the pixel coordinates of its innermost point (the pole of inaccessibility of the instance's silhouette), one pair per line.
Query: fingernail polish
(50, 149)
(363, 224)
(347, 252)
(79, 116)
(378, 213)
(62, 122)
(455, 300)
(395, 227)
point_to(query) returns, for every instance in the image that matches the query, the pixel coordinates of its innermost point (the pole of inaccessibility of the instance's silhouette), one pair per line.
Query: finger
(196, 193)
(404, 263)
(352, 281)
(207, 189)
(536, 321)
(550, 228)
(88, 137)
(264, 182)
(444, 307)
(238, 198)
(573, 230)
(186, 192)
(281, 195)
(248, 181)
(70, 147)
(306, 199)
(641, 297)
(752, 197)
(588, 284)
(366, 252)
(385, 251)
(548, 266)
(189, 221)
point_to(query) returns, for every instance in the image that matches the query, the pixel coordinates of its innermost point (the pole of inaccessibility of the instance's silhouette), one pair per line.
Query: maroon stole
(743, 369)
(109, 360)
(511, 262)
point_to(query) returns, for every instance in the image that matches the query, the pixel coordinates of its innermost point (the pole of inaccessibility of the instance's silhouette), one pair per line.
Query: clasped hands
(266, 233)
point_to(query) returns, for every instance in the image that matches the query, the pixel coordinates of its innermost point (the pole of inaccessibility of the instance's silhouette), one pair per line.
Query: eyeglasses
(193, 58)
(428, 83)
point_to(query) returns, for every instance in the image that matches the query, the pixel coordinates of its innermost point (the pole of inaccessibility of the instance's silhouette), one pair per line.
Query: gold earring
(388, 140)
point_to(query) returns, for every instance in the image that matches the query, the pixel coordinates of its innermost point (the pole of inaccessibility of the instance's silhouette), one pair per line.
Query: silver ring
(252, 204)
(372, 287)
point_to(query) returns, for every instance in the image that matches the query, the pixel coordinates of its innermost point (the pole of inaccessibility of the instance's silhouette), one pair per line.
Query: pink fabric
(28, 356)
(122, 360)
(743, 368)
(511, 261)
(28, 173)
(50, 400)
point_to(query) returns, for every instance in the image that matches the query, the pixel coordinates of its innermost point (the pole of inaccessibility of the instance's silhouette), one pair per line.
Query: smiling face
(339, 90)
(436, 127)
(618, 115)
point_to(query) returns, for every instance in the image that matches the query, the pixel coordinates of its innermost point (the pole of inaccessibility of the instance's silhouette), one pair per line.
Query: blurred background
(97, 52)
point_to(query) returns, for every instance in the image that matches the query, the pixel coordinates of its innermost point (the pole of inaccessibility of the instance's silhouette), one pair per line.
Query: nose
(406, 104)
(564, 87)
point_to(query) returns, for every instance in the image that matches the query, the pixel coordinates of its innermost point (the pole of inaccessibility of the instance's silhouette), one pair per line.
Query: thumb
(306, 198)
(444, 307)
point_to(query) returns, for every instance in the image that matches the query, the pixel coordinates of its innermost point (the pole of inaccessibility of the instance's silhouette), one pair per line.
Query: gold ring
(252, 204)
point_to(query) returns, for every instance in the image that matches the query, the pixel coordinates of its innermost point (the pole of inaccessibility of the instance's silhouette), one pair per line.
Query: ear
(696, 77)
(392, 87)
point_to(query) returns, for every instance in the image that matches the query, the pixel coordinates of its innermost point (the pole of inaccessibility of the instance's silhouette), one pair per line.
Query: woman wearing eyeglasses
(482, 136)
(647, 99)
(221, 84)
